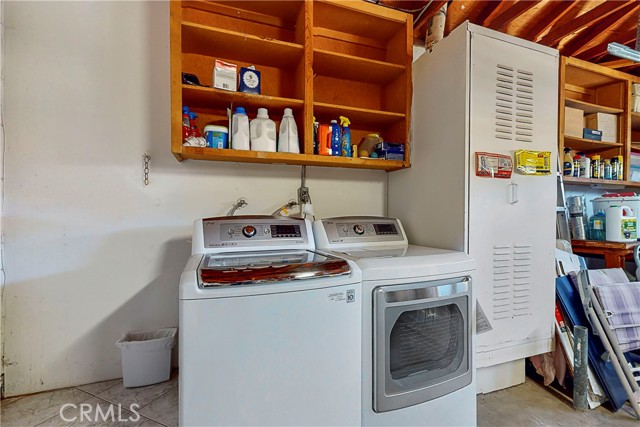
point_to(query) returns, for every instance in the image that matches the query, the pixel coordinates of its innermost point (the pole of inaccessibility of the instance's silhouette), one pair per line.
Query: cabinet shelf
(581, 144)
(207, 98)
(358, 116)
(220, 43)
(598, 182)
(590, 108)
(348, 67)
(289, 159)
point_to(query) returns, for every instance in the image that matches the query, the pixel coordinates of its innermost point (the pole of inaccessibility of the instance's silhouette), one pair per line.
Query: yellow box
(573, 122)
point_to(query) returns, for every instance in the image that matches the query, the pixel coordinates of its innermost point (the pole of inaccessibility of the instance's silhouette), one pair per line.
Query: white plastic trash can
(146, 356)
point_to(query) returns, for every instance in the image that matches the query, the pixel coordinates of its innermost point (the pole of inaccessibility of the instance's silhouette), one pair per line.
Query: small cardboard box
(592, 134)
(225, 75)
(573, 122)
(607, 123)
(250, 80)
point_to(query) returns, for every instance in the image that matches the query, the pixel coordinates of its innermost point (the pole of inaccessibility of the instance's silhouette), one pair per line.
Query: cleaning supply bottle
(607, 169)
(240, 129)
(597, 226)
(567, 163)
(621, 224)
(576, 166)
(186, 123)
(595, 166)
(288, 137)
(346, 137)
(336, 139)
(263, 132)
(585, 166)
(316, 135)
(620, 168)
(195, 132)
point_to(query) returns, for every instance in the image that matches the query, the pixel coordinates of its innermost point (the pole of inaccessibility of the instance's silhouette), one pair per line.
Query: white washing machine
(269, 330)
(418, 323)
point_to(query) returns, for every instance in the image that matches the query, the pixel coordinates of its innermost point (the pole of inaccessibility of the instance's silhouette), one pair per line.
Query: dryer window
(429, 340)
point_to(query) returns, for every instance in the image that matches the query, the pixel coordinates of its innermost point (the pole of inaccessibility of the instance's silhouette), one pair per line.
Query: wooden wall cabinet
(321, 58)
(593, 88)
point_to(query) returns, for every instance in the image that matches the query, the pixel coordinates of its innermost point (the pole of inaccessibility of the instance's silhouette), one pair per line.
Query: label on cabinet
(493, 165)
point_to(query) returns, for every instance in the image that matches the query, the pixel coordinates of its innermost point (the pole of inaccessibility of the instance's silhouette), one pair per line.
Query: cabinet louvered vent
(514, 104)
(511, 293)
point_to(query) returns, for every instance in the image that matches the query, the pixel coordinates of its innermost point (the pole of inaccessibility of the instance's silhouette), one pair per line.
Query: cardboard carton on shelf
(607, 123)
(573, 122)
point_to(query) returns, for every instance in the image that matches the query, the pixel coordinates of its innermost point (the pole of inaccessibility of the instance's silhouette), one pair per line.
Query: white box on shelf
(225, 75)
(607, 123)
(573, 122)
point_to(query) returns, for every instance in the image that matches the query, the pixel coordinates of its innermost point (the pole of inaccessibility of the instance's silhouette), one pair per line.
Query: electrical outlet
(303, 195)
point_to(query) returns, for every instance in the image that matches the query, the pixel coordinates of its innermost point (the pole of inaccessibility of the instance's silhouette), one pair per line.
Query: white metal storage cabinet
(474, 83)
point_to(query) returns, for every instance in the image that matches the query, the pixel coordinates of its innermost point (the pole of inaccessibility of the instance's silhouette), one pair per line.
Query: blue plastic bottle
(336, 138)
(346, 137)
(597, 226)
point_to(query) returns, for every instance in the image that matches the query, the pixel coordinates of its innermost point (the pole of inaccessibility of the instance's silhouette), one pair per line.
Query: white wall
(89, 251)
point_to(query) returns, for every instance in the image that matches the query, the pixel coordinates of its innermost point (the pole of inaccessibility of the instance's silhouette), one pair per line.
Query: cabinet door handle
(513, 193)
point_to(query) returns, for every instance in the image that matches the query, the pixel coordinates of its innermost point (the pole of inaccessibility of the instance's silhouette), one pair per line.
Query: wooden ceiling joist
(580, 42)
(508, 14)
(586, 19)
(551, 13)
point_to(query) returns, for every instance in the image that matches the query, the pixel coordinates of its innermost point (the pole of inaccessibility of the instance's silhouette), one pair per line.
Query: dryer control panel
(332, 233)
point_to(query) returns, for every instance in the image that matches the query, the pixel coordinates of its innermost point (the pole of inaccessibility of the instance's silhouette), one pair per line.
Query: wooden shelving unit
(323, 59)
(596, 89)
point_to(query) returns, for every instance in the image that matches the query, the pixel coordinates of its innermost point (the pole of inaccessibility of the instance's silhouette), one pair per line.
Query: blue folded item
(390, 151)
(572, 306)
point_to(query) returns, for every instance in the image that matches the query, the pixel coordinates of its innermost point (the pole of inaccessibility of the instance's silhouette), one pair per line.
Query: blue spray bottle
(336, 138)
(346, 137)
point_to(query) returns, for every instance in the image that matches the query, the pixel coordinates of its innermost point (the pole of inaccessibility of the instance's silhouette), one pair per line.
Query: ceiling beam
(550, 14)
(516, 9)
(588, 18)
(581, 41)
(618, 63)
(487, 12)
(597, 52)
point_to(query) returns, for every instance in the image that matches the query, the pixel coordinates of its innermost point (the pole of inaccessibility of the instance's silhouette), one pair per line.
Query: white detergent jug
(240, 129)
(288, 137)
(263, 132)
(621, 224)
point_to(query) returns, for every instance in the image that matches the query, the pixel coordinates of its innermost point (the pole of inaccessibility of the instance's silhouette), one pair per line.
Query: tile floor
(157, 406)
(529, 404)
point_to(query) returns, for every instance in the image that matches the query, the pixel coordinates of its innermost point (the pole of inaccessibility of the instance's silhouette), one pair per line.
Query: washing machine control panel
(258, 231)
(362, 229)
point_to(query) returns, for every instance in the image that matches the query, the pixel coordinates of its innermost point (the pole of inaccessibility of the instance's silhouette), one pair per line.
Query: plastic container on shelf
(146, 356)
(567, 162)
(288, 141)
(216, 136)
(596, 171)
(336, 138)
(603, 203)
(621, 224)
(263, 132)
(240, 129)
(347, 150)
(607, 169)
(585, 166)
(597, 226)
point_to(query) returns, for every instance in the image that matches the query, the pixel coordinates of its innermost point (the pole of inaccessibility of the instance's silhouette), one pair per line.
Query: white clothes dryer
(418, 323)
(269, 330)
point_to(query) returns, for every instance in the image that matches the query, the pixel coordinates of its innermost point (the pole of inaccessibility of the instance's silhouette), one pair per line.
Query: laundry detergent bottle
(263, 132)
(288, 136)
(336, 138)
(240, 129)
(346, 137)
(621, 224)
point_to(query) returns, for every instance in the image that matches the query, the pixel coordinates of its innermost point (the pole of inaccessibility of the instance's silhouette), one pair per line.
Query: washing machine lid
(409, 262)
(251, 268)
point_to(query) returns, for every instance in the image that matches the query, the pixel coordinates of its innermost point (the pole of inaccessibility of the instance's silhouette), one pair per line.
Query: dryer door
(422, 340)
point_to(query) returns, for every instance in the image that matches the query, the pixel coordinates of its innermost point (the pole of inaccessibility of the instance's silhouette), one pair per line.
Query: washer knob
(249, 231)
(358, 229)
